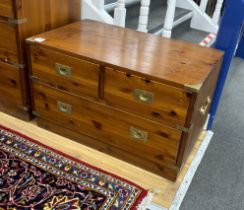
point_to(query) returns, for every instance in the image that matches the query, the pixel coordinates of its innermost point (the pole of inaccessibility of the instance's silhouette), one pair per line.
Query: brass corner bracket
(182, 128)
(193, 88)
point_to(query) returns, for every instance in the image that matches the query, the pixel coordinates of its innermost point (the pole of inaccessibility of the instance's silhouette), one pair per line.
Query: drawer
(10, 84)
(65, 72)
(8, 42)
(6, 8)
(152, 100)
(130, 133)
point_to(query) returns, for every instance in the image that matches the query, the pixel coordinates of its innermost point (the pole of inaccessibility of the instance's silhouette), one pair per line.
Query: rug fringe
(146, 201)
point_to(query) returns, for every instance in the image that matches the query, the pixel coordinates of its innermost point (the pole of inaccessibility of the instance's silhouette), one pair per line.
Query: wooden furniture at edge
(20, 19)
(138, 97)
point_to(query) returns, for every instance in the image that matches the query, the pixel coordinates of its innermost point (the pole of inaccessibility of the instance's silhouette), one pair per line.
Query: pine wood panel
(10, 108)
(10, 84)
(83, 79)
(20, 19)
(165, 190)
(169, 104)
(108, 125)
(153, 57)
(6, 8)
(14, 98)
(8, 42)
(161, 169)
(198, 114)
(44, 15)
(63, 12)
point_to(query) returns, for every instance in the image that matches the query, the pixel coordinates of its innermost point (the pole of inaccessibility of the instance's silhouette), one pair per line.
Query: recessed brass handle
(63, 70)
(143, 96)
(138, 134)
(64, 108)
(204, 108)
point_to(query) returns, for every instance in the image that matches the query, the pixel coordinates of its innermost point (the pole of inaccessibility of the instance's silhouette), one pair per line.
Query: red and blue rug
(34, 176)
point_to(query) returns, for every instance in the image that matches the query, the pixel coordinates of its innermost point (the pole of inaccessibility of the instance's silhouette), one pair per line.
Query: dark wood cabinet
(139, 97)
(20, 19)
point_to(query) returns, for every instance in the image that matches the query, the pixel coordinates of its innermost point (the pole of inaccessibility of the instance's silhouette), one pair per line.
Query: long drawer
(149, 99)
(10, 84)
(138, 136)
(8, 42)
(6, 8)
(65, 72)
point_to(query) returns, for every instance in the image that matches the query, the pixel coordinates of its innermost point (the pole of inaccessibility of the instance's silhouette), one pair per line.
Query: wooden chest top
(153, 57)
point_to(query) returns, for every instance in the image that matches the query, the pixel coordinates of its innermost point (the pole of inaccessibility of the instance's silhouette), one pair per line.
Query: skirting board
(188, 177)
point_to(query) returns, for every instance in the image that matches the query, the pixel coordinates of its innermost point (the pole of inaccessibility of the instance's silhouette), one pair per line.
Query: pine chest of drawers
(138, 97)
(20, 19)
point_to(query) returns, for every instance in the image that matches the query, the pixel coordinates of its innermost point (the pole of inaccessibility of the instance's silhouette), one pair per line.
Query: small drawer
(6, 8)
(65, 72)
(158, 102)
(8, 42)
(128, 132)
(10, 84)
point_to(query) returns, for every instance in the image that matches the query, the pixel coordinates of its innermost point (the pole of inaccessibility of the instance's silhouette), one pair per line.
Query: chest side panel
(200, 105)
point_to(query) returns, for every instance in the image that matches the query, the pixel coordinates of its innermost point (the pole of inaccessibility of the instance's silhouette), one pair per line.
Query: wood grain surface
(83, 78)
(20, 19)
(10, 84)
(168, 106)
(6, 8)
(152, 57)
(107, 125)
(198, 114)
(8, 41)
(43, 15)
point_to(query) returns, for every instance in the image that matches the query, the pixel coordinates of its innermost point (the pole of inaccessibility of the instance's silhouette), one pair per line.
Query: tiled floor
(219, 181)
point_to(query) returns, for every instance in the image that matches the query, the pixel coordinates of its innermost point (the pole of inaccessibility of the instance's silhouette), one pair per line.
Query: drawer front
(138, 136)
(65, 72)
(8, 42)
(149, 99)
(10, 84)
(6, 8)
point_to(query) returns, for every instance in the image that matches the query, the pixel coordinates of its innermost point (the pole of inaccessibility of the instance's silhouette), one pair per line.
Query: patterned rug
(34, 176)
